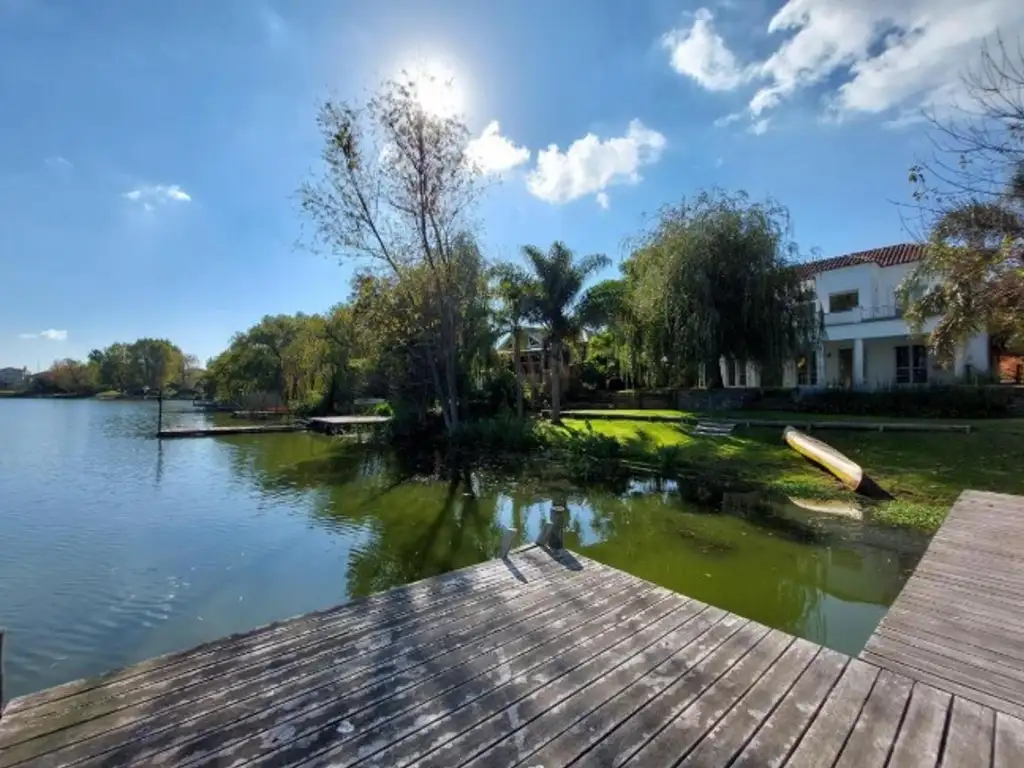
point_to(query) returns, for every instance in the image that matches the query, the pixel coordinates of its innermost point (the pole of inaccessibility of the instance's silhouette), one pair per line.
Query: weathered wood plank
(966, 657)
(969, 735)
(619, 745)
(285, 655)
(464, 584)
(919, 740)
(724, 742)
(969, 682)
(955, 634)
(549, 710)
(318, 678)
(590, 729)
(572, 670)
(827, 734)
(1008, 749)
(872, 736)
(958, 624)
(940, 681)
(777, 736)
(683, 732)
(333, 725)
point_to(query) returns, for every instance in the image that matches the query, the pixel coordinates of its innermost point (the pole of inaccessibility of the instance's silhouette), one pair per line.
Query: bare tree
(397, 191)
(970, 199)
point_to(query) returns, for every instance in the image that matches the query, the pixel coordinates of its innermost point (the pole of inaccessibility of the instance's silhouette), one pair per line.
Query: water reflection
(118, 547)
(829, 581)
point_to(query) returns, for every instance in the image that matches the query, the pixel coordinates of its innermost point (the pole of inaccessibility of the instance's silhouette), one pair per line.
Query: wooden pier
(241, 429)
(958, 624)
(541, 659)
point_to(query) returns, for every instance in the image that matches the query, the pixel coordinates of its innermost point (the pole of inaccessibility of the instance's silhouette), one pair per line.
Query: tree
(713, 278)
(153, 362)
(559, 297)
(397, 191)
(970, 197)
(515, 292)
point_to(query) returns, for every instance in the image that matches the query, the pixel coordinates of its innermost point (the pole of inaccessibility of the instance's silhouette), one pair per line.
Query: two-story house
(13, 378)
(867, 343)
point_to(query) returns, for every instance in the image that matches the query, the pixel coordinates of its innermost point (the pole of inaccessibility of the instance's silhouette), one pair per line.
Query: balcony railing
(864, 314)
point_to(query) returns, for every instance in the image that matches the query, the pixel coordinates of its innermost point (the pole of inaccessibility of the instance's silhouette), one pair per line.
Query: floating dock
(241, 429)
(552, 659)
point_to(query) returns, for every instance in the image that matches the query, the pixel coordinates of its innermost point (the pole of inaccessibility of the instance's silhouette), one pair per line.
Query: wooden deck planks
(265, 699)
(958, 624)
(557, 661)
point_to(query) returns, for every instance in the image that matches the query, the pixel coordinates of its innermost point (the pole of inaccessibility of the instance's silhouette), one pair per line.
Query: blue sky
(151, 151)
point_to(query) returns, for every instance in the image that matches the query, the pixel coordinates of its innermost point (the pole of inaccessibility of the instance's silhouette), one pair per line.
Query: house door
(846, 368)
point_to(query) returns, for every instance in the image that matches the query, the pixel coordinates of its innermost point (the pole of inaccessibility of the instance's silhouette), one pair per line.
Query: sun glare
(436, 90)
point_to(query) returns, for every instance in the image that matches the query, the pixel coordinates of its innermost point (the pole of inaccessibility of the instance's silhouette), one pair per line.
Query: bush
(501, 433)
(950, 402)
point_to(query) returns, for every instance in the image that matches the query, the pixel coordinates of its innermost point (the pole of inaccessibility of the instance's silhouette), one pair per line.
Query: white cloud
(602, 200)
(58, 163)
(701, 53)
(157, 194)
(51, 334)
(590, 165)
(760, 126)
(493, 153)
(874, 56)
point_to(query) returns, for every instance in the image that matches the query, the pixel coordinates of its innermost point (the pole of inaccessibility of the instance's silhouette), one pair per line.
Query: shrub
(931, 401)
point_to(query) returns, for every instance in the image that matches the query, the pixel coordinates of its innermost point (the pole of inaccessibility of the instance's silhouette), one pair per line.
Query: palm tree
(516, 293)
(558, 301)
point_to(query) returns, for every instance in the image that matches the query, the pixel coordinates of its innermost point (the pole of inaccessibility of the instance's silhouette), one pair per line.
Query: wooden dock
(241, 429)
(958, 624)
(537, 660)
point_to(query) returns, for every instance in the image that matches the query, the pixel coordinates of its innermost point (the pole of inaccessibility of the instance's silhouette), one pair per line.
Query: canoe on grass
(843, 467)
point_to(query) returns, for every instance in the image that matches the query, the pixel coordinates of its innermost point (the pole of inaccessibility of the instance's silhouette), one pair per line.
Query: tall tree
(515, 292)
(713, 278)
(970, 196)
(397, 190)
(558, 300)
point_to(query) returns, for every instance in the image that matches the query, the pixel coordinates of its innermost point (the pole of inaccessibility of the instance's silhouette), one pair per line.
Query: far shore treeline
(710, 276)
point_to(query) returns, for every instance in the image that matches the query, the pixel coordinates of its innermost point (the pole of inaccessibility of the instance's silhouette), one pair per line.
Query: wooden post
(507, 535)
(160, 410)
(3, 701)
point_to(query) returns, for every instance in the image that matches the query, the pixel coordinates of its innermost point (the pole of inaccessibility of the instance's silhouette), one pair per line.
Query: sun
(436, 89)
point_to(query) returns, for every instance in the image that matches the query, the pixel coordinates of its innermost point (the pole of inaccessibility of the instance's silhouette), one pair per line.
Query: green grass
(924, 471)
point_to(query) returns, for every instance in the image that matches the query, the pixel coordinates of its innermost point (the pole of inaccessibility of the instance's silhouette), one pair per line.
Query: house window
(807, 370)
(843, 302)
(730, 374)
(912, 365)
(741, 370)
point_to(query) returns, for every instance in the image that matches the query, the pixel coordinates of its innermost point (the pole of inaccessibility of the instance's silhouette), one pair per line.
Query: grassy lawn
(924, 471)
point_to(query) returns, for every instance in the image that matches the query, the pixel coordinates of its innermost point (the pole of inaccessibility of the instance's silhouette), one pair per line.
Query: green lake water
(115, 547)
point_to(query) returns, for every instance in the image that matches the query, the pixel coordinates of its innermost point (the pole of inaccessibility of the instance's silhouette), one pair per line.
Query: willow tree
(714, 278)
(560, 302)
(970, 196)
(396, 192)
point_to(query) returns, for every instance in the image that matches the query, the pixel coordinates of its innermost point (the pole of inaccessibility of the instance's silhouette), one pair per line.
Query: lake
(115, 547)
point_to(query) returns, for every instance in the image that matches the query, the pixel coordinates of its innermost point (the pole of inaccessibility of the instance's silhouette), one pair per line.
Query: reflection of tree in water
(410, 516)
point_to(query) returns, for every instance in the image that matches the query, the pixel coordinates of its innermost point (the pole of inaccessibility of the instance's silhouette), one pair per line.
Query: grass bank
(924, 471)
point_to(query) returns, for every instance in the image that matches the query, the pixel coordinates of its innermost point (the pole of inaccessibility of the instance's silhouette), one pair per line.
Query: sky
(150, 151)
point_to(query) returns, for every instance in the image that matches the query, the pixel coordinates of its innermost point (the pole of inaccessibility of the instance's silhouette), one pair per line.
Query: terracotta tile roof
(890, 255)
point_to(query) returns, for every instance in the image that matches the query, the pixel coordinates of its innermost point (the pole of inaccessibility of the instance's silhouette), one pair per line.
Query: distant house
(535, 354)
(13, 378)
(867, 343)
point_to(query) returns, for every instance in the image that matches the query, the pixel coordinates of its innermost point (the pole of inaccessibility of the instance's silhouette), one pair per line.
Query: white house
(11, 378)
(867, 343)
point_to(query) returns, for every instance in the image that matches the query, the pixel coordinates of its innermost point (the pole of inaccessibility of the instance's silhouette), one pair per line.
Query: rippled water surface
(115, 547)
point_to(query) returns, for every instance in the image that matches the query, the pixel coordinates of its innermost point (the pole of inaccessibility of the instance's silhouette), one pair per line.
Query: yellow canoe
(843, 467)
